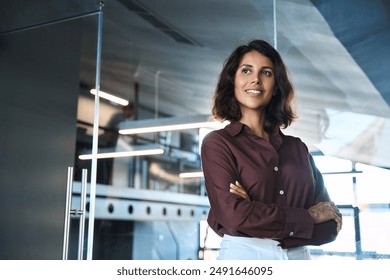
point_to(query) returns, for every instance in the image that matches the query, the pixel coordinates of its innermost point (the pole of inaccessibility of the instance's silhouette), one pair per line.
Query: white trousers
(249, 248)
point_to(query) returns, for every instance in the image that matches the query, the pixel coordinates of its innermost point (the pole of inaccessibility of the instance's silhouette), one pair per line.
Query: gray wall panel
(39, 77)
(18, 14)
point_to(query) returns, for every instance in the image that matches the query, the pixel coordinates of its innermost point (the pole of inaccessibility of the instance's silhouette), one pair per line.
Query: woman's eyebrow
(246, 65)
(249, 65)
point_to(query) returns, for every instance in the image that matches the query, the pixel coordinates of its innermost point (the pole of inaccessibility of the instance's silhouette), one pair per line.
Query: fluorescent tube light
(167, 124)
(143, 151)
(163, 128)
(110, 97)
(197, 174)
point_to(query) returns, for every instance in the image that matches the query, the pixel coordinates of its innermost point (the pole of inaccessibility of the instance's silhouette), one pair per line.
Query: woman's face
(254, 82)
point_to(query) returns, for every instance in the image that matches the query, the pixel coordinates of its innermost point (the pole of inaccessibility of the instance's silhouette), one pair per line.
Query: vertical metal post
(202, 187)
(82, 212)
(354, 184)
(68, 201)
(92, 193)
(144, 174)
(156, 100)
(358, 241)
(156, 93)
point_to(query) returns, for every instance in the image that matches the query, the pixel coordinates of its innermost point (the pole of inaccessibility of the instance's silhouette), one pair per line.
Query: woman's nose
(257, 81)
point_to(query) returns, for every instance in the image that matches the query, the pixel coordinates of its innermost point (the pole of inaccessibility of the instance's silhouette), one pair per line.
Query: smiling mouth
(254, 91)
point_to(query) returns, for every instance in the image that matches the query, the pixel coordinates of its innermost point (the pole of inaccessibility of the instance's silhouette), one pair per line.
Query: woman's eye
(246, 71)
(266, 73)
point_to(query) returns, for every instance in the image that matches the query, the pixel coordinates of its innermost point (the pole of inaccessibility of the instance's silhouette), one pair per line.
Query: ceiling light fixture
(110, 97)
(167, 124)
(197, 174)
(145, 150)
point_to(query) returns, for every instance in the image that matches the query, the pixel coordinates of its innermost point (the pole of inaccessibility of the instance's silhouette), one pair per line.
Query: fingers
(325, 211)
(239, 190)
(339, 223)
(338, 217)
(332, 206)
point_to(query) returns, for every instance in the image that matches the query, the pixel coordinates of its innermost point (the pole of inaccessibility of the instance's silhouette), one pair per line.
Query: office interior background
(147, 198)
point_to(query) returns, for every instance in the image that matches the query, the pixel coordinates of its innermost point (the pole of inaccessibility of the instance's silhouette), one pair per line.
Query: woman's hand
(325, 211)
(239, 190)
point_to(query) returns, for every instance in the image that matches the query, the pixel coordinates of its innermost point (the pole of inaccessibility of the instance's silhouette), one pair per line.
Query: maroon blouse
(279, 176)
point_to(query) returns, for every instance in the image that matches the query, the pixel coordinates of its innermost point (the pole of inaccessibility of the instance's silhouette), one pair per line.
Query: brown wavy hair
(279, 111)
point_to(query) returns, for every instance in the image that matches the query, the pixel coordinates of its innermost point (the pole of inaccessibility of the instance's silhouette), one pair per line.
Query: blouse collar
(236, 127)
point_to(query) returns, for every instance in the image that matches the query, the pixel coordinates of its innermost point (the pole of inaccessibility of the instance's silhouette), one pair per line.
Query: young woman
(267, 197)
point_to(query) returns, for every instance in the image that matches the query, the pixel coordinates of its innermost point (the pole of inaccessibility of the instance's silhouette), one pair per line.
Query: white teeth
(253, 91)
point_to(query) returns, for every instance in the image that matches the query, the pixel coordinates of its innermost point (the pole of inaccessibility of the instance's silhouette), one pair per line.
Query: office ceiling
(336, 51)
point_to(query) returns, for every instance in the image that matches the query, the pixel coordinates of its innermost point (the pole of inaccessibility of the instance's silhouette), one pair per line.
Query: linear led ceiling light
(167, 124)
(196, 174)
(145, 150)
(110, 97)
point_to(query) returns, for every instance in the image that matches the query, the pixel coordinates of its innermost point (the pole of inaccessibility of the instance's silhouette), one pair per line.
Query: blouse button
(276, 168)
(281, 192)
(291, 233)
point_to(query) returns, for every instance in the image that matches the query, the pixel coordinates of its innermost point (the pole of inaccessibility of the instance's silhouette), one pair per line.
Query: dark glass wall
(39, 78)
